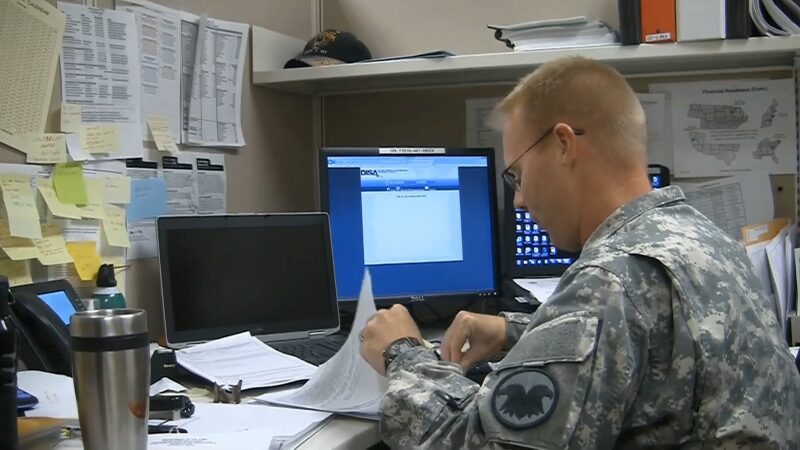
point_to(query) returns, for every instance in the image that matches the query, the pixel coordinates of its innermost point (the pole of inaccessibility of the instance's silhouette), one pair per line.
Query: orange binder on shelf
(658, 21)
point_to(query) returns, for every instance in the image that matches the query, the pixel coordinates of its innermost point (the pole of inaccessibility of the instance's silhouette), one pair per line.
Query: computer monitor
(423, 220)
(530, 251)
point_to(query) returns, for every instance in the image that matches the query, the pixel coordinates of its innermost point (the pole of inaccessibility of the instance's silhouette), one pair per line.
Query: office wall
(274, 172)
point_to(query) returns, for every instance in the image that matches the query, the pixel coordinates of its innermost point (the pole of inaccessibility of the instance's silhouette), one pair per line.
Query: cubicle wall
(274, 171)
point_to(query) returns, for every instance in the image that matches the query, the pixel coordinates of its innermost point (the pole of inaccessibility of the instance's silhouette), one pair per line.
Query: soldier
(658, 336)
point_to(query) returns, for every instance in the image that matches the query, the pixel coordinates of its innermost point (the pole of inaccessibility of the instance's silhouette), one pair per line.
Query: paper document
(166, 385)
(148, 200)
(243, 357)
(481, 133)
(733, 202)
(160, 61)
(190, 25)
(256, 440)
(758, 257)
(540, 288)
(211, 184)
(100, 71)
(215, 106)
(181, 184)
(654, 106)
(56, 394)
(724, 127)
(345, 383)
(31, 34)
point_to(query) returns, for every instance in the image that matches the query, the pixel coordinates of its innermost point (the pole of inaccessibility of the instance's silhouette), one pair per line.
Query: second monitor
(422, 220)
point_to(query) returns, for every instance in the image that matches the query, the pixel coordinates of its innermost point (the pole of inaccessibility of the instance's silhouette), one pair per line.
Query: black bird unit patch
(524, 399)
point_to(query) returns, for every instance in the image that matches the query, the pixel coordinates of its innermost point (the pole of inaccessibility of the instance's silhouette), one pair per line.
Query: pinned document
(52, 248)
(17, 272)
(148, 199)
(162, 134)
(94, 198)
(114, 226)
(71, 118)
(117, 189)
(69, 183)
(87, 261)
(18, 249)
(47, 148)
(59, 209)
(23, 217)
(100, 138)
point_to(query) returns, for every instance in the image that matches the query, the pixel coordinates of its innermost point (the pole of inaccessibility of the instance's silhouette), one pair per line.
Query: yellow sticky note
(94, 198)
(52, 248)
(23, 217)
(18, 249)
(56, 207)
(162, 134)
(47, 148)
(84, 255)
(115, 227)
(18, 272)
(70, 118)
(69, 183)
(100, 138)
(117, 189)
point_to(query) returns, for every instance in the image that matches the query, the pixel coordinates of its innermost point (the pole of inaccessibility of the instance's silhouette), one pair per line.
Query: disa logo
(370, 172)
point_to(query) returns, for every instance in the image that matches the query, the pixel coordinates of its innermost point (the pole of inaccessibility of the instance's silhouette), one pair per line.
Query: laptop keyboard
(313, 351)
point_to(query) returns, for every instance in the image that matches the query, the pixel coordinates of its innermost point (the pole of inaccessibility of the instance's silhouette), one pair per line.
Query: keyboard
(314, 351)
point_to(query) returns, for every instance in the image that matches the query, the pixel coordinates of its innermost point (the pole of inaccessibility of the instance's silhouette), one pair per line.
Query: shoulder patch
(524, 399)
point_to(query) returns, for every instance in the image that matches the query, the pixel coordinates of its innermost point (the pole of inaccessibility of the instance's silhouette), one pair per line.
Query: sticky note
(47, 148)
(18, 249)
(94, 198)
(69, 183)
(18, 272)
(114, 226)
(52, 248)
(70, 118)
(117, 189)
(23, 217)
(162, 134)
(84, 255)
(148, 199)
(100, 138)
(59, 209)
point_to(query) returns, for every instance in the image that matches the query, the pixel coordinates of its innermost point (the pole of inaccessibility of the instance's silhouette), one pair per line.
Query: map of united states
(717, 117)
(724, 152)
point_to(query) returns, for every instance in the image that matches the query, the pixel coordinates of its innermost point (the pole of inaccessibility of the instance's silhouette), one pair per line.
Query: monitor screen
(60, 303)
(424, 224)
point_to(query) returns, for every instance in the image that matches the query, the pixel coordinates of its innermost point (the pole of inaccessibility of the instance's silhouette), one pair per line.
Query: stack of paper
(345, 384)
(556, 33)
(776, 18)
(243, 357)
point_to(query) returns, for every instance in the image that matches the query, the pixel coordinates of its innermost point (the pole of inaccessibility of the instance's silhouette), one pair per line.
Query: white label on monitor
(411, 151)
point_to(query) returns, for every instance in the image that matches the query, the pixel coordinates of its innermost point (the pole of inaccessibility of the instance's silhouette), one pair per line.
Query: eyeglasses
(510, 178)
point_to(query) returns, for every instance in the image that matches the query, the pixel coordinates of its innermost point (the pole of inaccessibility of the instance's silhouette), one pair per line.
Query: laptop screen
(269, 274)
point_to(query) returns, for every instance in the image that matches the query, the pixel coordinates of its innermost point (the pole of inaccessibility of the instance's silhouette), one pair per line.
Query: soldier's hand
(383, 328)
(485, 334)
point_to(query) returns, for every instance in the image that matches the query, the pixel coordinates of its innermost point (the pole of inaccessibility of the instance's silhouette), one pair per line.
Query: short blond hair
(585, 94)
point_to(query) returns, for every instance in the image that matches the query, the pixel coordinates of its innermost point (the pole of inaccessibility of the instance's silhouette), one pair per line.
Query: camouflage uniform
(659, 335)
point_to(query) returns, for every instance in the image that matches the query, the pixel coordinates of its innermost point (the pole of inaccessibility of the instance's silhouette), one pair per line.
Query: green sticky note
(69, 184)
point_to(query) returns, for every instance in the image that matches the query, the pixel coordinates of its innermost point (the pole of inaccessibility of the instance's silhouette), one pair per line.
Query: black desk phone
(42, 312)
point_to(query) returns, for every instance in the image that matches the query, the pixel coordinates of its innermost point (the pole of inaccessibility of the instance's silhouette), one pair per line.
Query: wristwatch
(397, 348)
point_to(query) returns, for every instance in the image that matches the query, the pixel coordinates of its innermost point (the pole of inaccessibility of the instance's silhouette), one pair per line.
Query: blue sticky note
(148, 199)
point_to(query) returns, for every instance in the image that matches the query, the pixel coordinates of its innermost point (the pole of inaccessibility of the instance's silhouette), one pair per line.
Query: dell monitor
(422, 220)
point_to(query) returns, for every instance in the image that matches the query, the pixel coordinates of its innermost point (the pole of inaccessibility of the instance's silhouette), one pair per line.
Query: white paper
(166, 385)
(211, 183)
(654, 106)
(781, 271)
(243, 357)
(181, 180)
(99, 71)
(215, 107)
(733, 202)
(231, 418)
(254, 440)
(481, 133)
(345, 383)
(142, 234)
(724, 127)
(190, 25)
(540, 288)
(56, 394)
(160, 61)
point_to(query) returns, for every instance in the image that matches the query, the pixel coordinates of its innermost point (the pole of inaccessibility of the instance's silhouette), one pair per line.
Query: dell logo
(417, 298)
(371, 172)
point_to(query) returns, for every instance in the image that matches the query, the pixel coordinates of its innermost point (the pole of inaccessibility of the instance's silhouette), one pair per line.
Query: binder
(630, 29)
(658, 21)
(699, 20)
(738, 24)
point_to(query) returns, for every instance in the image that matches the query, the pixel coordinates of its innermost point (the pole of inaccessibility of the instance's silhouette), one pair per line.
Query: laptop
(269, 274)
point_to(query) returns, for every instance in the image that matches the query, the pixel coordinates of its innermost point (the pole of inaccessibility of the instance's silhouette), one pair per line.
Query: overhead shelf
(753, 53)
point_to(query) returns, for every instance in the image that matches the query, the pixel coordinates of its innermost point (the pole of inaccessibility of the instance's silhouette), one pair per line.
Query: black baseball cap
(330, 47)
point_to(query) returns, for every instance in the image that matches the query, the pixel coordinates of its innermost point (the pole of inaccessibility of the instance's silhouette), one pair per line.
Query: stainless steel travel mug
(111, 371)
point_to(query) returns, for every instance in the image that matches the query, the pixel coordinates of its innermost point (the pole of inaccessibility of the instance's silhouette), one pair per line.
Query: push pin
(228, 394)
